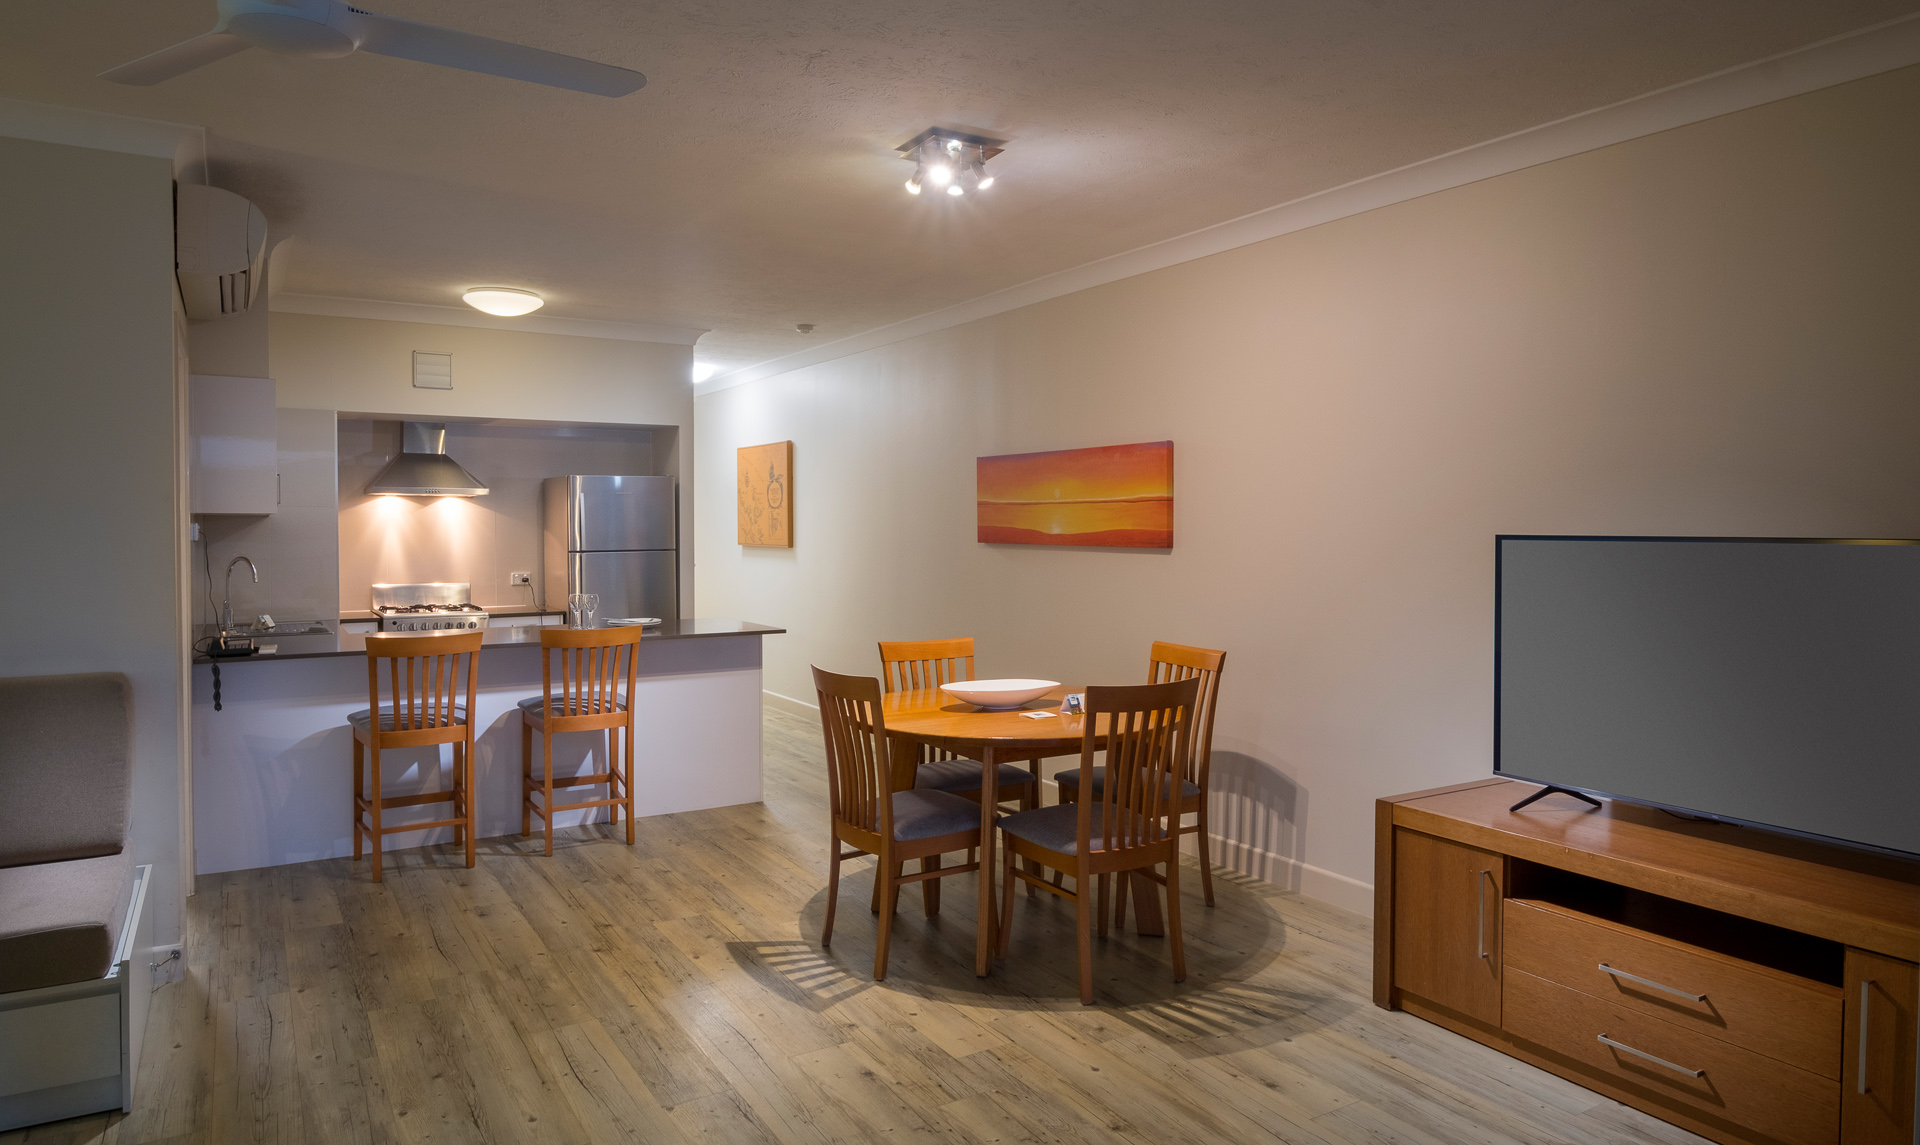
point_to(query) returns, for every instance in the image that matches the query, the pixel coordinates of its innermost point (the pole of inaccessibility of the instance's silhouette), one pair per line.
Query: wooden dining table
(934, 718)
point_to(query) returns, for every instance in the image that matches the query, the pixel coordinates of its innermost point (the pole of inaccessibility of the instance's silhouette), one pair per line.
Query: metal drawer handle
(1481, 932)
(1650, 982)
(1866, 1001)
(1651, 1058)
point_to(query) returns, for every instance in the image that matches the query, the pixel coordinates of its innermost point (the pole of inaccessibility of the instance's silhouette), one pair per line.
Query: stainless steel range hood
(423, 468)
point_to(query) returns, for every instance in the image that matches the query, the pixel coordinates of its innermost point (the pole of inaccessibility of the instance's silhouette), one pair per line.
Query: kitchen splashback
(480, 540)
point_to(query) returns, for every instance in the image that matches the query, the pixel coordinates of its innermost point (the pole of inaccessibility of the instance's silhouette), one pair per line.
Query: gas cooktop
(439, 606)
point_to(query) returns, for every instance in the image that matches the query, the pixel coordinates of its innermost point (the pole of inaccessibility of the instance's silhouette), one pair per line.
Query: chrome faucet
(226, 599)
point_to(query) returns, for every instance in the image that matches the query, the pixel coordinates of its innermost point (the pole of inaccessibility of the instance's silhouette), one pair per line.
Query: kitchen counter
(273, 766)
(337, 643)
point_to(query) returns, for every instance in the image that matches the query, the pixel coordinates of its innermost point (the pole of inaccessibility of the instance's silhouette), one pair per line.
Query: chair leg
(526, 776)
(546, 766)
(1173, 918)
(833, 887)
(1066, 796)
(1127, 886)
(626, 781)
(1100, 912)
(374, 838)
(1083, 928)
(1006, 905)
(613, 769)
(930, 888)
(472, 821)
(886, 921)
(359, 790)
(1206, 854)
(459, 794)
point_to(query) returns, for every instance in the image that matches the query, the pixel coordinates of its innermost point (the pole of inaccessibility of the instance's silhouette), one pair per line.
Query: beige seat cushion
(59, 921)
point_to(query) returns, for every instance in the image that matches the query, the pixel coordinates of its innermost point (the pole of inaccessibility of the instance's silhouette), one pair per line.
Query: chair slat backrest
(858, 772)
(913, 665)
(597, 667)
(1149, 737)
(425, 676)
(1180, 662)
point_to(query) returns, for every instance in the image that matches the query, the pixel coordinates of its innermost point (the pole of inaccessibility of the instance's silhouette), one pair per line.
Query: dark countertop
(355, 644)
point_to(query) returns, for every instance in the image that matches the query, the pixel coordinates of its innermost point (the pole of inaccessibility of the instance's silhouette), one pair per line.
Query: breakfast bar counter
(273, 767)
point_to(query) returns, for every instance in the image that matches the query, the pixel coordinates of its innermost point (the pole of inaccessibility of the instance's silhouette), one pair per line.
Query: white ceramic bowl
(999, 695)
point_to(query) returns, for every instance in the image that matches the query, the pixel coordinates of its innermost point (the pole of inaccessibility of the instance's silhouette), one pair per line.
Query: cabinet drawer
(1768, 1098)
(1794, 1019)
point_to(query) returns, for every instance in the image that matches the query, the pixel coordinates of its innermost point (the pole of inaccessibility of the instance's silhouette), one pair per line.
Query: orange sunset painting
(1118, 495)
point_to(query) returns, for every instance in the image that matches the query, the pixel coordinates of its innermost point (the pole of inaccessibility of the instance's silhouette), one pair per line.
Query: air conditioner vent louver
(220, 246)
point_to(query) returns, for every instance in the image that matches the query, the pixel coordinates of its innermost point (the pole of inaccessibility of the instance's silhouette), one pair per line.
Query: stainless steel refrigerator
(613, 536)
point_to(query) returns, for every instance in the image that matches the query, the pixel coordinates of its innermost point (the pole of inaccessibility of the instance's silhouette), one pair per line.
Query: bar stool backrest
(596, 669)
(858, 771)
(911, 665)
(1149, 738)
(1180, 662)
(425, 677)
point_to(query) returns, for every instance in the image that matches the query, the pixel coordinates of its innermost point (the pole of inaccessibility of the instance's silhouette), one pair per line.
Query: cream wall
(364, 366)
(88, 450)
(1712, 330)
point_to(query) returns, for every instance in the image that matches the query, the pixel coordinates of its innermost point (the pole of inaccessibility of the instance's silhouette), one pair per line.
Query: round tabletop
(930, 715)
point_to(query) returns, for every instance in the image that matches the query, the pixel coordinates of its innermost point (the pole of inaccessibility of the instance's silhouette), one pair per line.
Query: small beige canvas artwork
(766, 495)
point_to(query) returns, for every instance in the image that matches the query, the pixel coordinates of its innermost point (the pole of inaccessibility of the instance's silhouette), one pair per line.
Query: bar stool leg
(526, 776)
(466, 794)
(459, 799)
(359, 791)
(546, 765)
(613, 776)
(374, 837)
(626, 779)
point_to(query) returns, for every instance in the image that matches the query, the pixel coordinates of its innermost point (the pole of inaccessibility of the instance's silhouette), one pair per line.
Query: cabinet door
(1876, 1095)
(1446, 923)
(235, 463)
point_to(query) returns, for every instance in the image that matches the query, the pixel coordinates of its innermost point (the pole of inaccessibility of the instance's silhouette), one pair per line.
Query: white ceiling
(753, 183)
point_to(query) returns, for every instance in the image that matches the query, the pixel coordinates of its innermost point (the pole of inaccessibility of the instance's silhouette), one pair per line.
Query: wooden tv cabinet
(1747, 986)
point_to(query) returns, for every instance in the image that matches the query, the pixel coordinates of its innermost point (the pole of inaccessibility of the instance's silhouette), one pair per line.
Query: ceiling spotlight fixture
(503, 301)
(955, 160)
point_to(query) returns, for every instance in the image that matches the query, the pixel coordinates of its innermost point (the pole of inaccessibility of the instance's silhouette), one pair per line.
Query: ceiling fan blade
(177, 60)
(391, 36)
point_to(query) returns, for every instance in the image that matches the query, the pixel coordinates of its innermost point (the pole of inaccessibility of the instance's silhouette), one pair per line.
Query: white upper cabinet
(235, 466)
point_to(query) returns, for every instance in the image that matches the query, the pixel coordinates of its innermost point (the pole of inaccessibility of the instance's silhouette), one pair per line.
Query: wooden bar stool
(421, 711)
(597, 669)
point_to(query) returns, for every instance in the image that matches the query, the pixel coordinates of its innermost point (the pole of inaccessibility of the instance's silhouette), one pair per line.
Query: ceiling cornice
(183, 143)
(1841, 59)
(457, 316)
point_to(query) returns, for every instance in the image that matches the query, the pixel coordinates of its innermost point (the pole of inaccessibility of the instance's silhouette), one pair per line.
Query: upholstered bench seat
(62, 920)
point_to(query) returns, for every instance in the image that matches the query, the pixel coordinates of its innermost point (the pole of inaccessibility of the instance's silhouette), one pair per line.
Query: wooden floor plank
(675, 991)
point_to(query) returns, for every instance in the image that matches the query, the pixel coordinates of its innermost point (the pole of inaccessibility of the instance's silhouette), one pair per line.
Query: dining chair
(1128, 829)
(596, 675)
(892, 826)
(1177, 662)
(913, 665)
(425, 677)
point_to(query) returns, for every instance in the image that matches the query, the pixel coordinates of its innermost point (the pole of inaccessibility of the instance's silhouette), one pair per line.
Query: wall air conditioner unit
(219, 249)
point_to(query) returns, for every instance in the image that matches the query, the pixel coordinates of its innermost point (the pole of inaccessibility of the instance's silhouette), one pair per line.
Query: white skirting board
(74, 1049)
(1280, 870)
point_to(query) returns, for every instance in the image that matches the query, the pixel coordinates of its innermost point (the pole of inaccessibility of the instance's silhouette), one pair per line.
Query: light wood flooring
(676, 991)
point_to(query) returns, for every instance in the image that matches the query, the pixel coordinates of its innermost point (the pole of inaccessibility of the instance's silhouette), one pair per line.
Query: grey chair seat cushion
(1071, 779)
(964, 775)
(59, 921)
(362, 720)
(1057, 828)
(927, 814)
(536, 707)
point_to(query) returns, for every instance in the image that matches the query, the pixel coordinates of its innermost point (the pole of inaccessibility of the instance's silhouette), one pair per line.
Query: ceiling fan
(328, 29)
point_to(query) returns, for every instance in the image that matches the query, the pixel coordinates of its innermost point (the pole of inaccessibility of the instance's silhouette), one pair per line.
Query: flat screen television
(1769, 682)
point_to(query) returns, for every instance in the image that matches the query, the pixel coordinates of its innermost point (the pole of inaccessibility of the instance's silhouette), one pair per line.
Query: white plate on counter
(630, 621)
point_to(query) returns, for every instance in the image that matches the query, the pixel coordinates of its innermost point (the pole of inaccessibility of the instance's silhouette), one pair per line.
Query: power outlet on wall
(519, 578)
(167, 966)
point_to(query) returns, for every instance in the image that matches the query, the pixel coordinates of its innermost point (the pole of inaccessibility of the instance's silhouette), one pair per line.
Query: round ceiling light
(503, 301)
